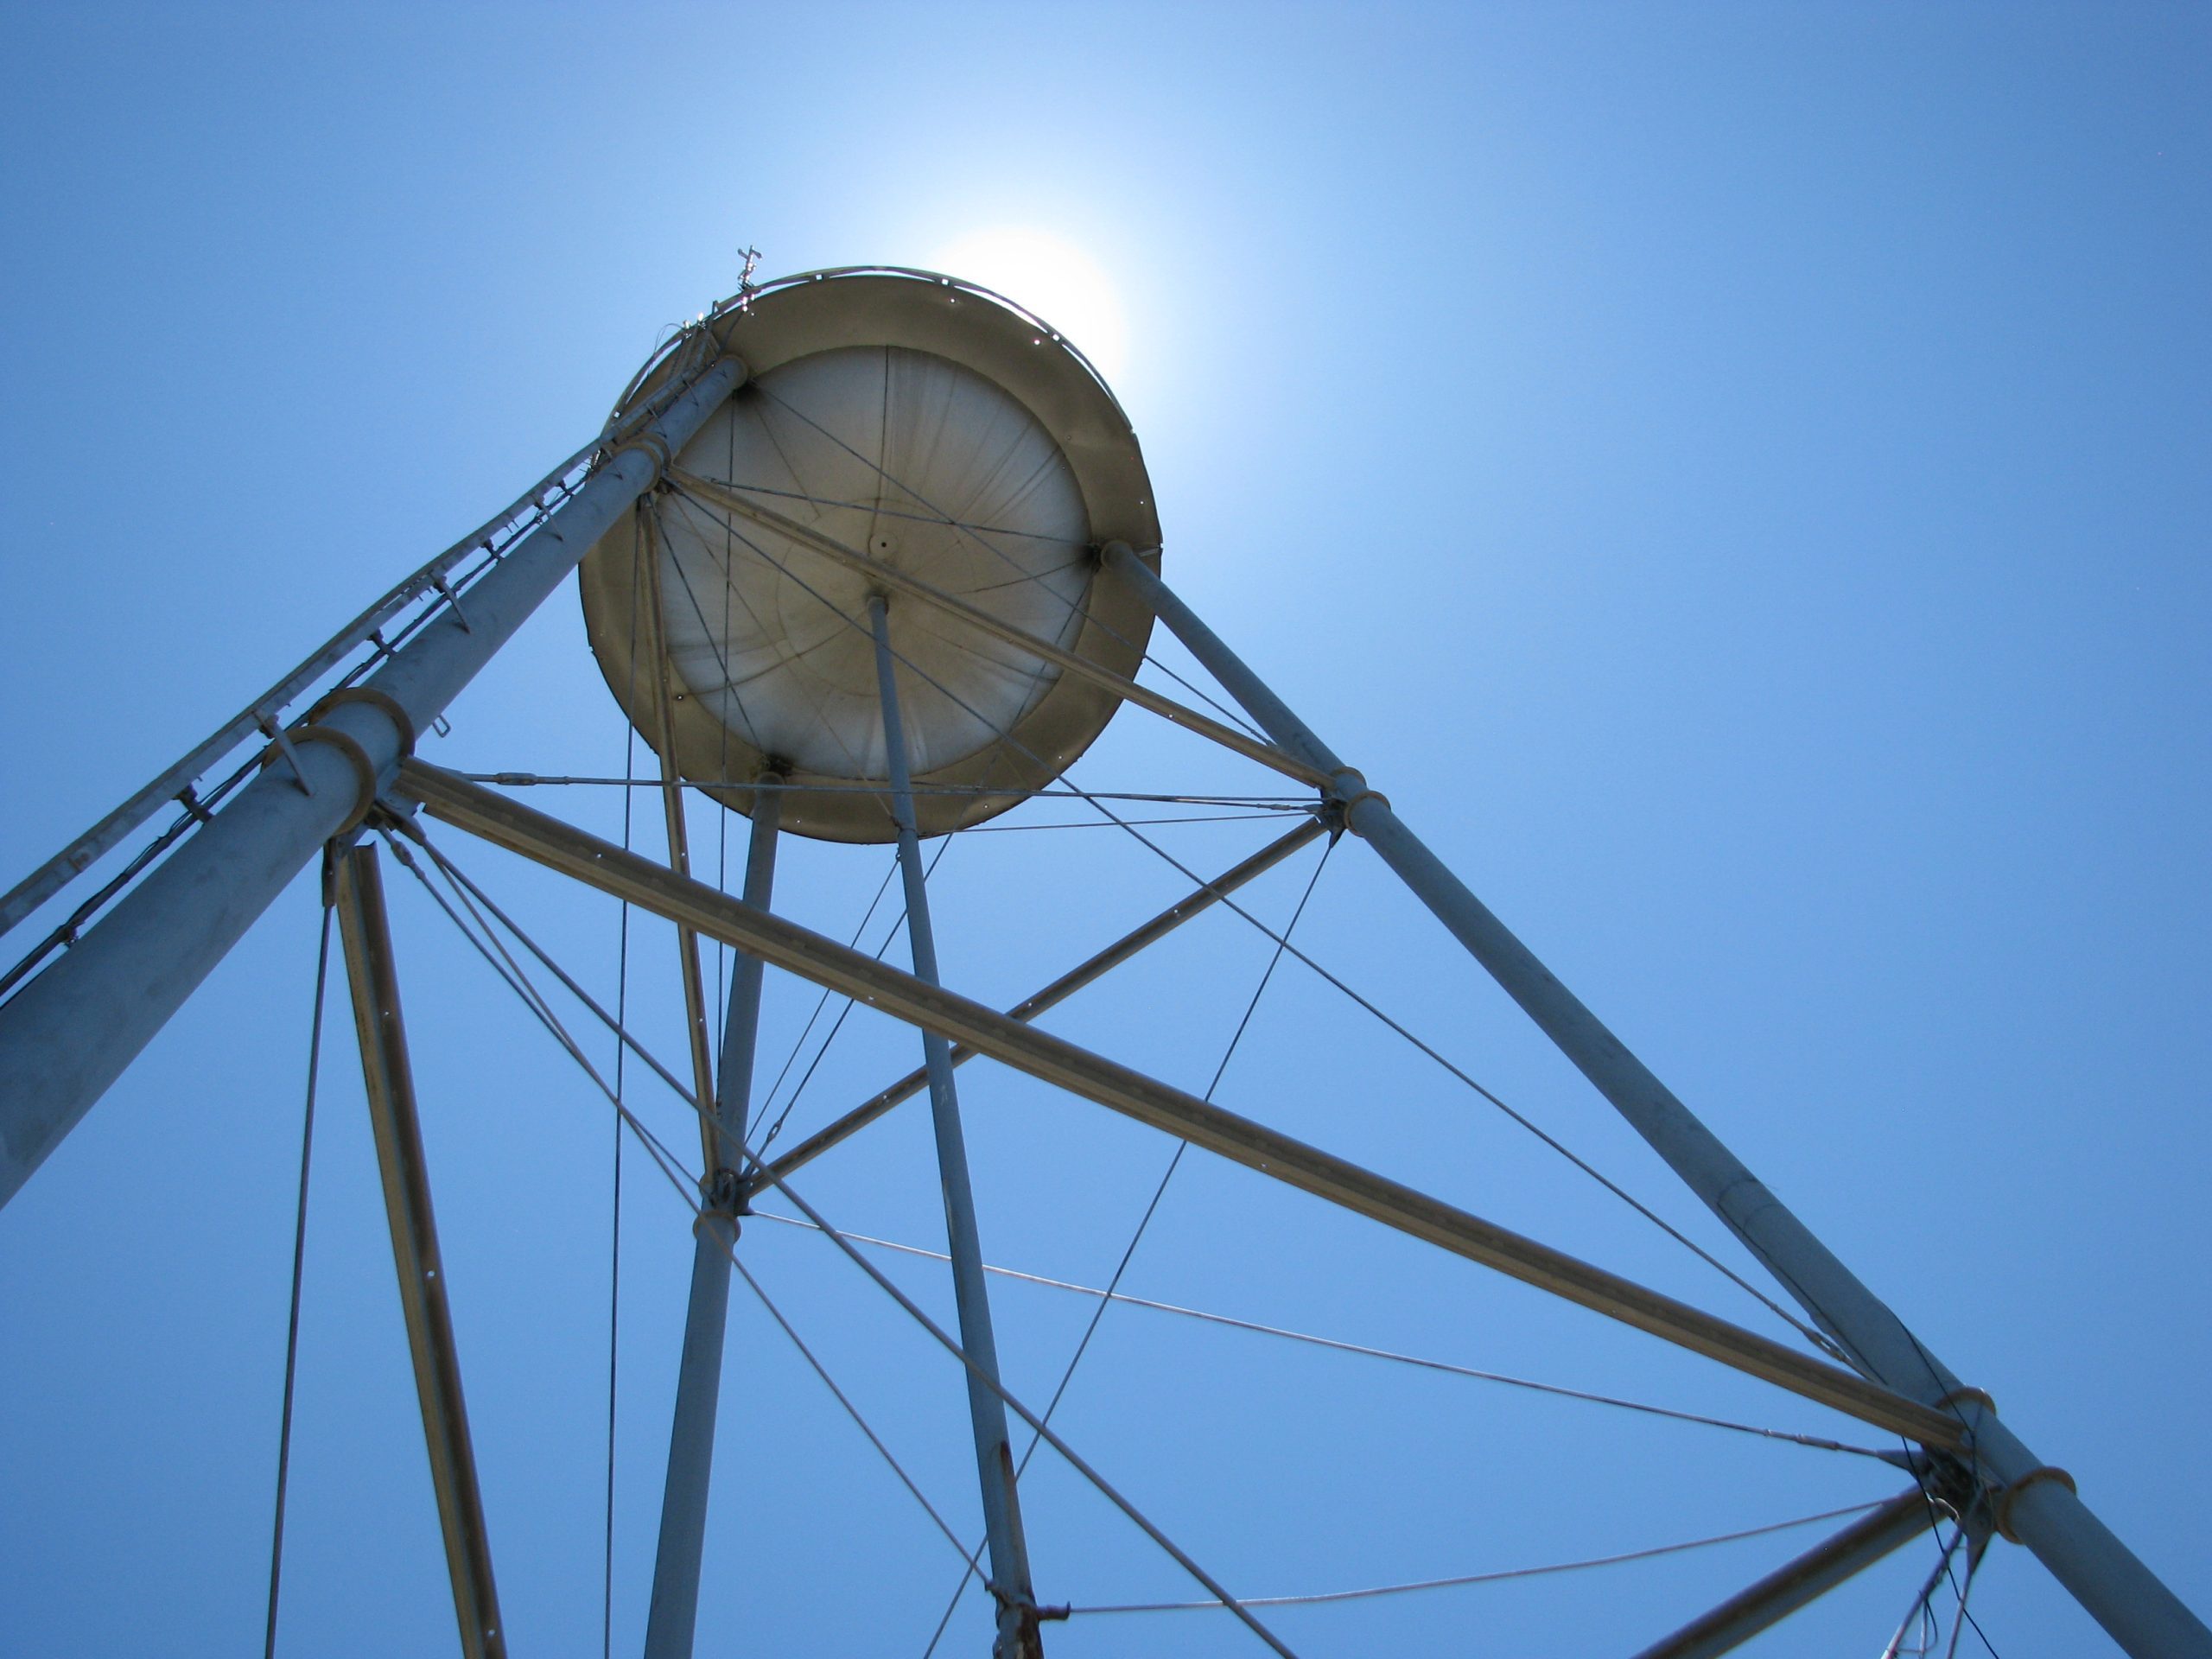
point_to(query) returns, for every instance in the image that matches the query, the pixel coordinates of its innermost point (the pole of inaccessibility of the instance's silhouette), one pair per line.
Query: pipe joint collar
(721, 1225)
(649, 444)
(1348, 788)
(365, 771)
(2011, 1492)
(1965, 1396)
(383, 701)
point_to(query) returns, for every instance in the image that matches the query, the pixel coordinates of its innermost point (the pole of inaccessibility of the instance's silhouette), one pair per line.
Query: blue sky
(1733, 474)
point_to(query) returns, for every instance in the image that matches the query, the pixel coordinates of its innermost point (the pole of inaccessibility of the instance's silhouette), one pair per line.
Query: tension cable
(299, 1264)
(1817, 1338)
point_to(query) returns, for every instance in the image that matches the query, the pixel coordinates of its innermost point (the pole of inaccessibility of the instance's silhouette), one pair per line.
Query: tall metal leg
(2040, 1509)
(674, 1614)
(68, 1033)
(414, 1250)
(1018, 1637)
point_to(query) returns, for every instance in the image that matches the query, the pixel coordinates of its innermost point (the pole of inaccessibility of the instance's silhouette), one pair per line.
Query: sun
(1054, 279)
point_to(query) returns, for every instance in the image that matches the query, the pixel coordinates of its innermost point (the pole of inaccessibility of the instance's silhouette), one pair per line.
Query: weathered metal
(784, 945)
(890, 578)
(2126, 1596)
(371, 973)
(67, 1034)
(904, 332)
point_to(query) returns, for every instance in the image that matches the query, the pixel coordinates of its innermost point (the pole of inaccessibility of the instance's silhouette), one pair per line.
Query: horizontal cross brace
(1052, 1060)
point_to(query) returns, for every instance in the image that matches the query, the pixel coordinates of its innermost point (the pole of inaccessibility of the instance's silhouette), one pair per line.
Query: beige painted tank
(938, 429)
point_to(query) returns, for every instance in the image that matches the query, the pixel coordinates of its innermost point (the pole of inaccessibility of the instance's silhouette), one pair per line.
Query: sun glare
(1054, 279)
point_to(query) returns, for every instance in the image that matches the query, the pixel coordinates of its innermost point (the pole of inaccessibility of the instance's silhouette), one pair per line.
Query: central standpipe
(674, 1615)
(1009, 1579)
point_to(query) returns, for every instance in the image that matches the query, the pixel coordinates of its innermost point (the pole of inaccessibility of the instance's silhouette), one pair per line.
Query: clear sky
(1734, 475)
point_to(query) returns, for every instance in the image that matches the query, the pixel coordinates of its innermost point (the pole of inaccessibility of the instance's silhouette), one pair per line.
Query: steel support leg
(674, 1614)
(391, 1084)
(1009, 1579)
(67, 1034)
(2126, 1597)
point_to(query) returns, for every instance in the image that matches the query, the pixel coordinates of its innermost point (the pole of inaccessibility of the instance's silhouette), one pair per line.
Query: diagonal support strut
(1084, 973)
(891, 578)
(391, 1081)
(784, 945)
(1799, 1581)
(647, 555)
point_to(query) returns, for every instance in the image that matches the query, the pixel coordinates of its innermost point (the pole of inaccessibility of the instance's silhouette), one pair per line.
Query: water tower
(870, 555)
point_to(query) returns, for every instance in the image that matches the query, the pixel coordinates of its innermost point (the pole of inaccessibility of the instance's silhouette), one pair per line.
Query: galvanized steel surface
(65, 1036)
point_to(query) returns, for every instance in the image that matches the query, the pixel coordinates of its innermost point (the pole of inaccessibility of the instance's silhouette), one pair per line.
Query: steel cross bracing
(824, 961)
(1764, 1604)
(1414, 863)
(1029, 1008)
(2034, 1502)
(1795, 1582)
(785, 944)
(730, 1145)
(65, 1036)
(891, 579)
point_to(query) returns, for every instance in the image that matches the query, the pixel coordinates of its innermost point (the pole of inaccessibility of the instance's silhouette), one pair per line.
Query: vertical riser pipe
(672, 1617)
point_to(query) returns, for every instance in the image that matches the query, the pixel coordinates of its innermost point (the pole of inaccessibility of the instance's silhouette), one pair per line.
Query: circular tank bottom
(941, 434)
